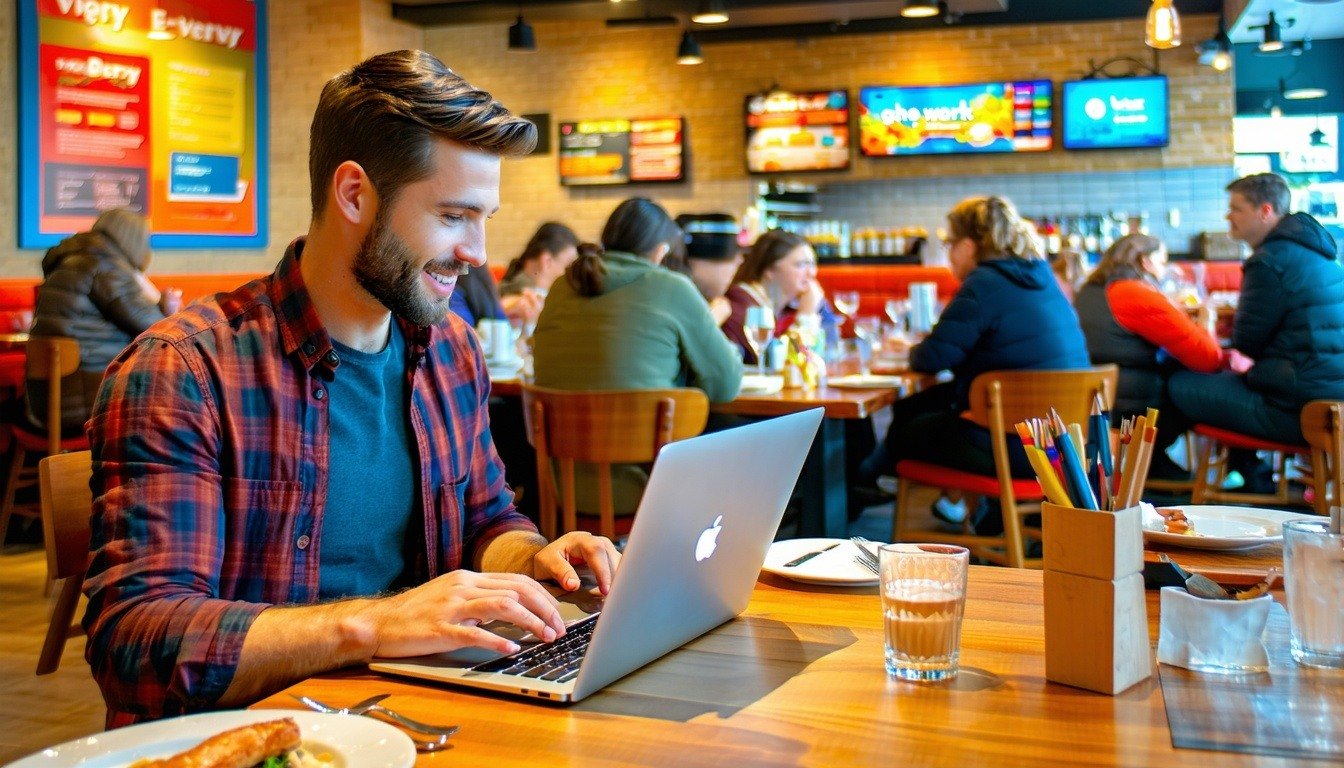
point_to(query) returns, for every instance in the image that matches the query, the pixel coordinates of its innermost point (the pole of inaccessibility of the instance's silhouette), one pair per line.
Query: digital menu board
(803, 131)
(1012, 116)
(154, 105)
(1115, 113)
(595, 152)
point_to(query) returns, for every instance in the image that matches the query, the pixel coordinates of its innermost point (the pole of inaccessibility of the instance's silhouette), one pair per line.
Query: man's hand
(1237, 362)
(445, 614)
(557, 560)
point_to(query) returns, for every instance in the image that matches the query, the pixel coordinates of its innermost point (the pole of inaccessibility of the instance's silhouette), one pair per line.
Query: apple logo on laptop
(709, 540)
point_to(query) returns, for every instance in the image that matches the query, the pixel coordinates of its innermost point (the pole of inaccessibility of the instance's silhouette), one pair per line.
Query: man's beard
(386, 268)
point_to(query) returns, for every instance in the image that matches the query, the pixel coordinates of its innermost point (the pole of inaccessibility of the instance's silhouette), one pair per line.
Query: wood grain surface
(798, 680)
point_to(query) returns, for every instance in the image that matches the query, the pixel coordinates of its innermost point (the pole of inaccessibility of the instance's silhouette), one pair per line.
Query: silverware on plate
(808, 556)
(437, 734)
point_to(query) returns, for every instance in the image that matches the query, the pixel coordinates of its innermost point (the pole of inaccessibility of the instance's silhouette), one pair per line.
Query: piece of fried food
(239, 748)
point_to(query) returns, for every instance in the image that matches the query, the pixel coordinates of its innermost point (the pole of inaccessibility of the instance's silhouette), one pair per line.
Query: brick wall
(583, 70)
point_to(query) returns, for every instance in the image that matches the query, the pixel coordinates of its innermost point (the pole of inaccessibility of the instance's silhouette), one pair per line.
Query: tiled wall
(1195, 193)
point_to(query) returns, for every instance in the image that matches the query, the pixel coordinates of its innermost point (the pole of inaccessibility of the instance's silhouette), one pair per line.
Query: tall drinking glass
(1313, 558)
(759, 327)
(923, 599)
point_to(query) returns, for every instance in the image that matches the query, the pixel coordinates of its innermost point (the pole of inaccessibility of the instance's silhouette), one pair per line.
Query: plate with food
(866, 381)
(264, 738)
(1199, 526)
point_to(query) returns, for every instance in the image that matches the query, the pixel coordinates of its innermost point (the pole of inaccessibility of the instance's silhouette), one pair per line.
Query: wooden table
(798, 680)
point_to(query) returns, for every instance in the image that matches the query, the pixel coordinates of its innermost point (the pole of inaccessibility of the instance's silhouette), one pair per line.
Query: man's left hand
(557, 560)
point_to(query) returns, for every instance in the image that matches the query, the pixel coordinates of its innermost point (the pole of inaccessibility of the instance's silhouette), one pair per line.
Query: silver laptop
(709, 512)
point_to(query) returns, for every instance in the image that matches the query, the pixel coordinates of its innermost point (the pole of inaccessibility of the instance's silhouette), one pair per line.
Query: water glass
(759, 328)
(846, 302)
(1313, 559)
(923, 599)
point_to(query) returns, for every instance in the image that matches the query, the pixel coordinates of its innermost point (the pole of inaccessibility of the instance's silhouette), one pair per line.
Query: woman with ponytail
(1009, 314)
(620, 321)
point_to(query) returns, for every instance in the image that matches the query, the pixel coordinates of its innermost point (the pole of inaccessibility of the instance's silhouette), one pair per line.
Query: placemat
(1289, 711)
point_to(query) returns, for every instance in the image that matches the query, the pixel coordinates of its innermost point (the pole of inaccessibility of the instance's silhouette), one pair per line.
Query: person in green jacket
(620, 321)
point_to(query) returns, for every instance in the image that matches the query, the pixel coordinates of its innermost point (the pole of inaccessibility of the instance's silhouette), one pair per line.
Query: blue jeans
(1223, 400)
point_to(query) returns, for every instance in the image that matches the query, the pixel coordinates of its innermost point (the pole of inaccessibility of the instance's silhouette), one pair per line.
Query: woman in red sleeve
(1129, 322)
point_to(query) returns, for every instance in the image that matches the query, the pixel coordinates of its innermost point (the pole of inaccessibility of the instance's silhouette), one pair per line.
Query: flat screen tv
(621, 151)
(1116, 113)
(1007, 116)
(797, 131)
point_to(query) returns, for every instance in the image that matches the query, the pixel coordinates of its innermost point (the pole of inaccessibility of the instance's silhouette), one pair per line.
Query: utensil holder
(1096, 616)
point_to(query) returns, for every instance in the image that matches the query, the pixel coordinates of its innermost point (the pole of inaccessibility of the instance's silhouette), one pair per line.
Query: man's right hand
(445, 614)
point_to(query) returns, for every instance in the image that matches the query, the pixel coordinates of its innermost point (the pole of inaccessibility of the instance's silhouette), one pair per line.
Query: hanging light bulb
(688, 52)
(920, 9)
(1163, 27)
(710, 12)
(1273, 38)
(1222, 54)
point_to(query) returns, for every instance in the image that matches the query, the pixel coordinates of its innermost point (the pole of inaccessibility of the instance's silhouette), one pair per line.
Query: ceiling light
(689, 50)
(1318, 138)
(920, 9)
(1217, 50)
(1273, 36)
(710, 12)
(521, 37)
(1163, 27)
(1305, 93)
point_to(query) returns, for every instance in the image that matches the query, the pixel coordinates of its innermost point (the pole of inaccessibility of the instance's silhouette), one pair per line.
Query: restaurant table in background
(798, 679)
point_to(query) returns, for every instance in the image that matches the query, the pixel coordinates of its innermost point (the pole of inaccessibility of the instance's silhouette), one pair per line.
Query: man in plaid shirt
(299, 475)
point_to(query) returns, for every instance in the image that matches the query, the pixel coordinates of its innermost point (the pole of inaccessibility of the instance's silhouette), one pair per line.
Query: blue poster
(1114, 113)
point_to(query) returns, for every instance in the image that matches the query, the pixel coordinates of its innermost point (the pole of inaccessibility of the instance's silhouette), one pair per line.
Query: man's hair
(385, 113)
(1261, 188)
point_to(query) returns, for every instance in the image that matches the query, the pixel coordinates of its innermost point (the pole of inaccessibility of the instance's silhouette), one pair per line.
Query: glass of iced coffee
(923, 598)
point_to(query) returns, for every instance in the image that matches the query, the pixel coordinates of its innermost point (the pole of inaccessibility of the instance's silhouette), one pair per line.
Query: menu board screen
(1114, 113)
(804, 131)
(594, 152)
(1013, 116)
(152, 105)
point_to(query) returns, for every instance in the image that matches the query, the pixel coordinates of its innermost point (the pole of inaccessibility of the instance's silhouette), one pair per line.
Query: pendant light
(1273, 36)
(521, 37)
(688, 52)
(1317, 137)
(1163, 27)
(710, 12)
(920, 9)
(1221, 47)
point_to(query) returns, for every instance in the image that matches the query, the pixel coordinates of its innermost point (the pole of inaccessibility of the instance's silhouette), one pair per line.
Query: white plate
(1223, 527)
(834, 566)
(860, 381)
(359, 741)
(757, 384)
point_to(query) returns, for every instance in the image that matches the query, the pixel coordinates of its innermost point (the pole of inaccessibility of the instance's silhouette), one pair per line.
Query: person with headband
(1008, 314)
(712, 258)
(1128, 321)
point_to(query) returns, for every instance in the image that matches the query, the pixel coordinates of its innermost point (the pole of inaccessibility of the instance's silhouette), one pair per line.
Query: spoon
(1198, 584)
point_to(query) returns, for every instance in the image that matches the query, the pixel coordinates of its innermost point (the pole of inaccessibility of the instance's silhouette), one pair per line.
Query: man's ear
(352, 194)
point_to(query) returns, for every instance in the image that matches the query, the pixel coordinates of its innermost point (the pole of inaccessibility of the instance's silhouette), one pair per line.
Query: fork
(371, 705)
(866, 558)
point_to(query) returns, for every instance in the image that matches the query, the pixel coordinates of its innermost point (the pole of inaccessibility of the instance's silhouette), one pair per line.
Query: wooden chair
(998, 400)
(1323, 427)
(49, 358)
(602, 428)
(67, 505)
(1211, 469)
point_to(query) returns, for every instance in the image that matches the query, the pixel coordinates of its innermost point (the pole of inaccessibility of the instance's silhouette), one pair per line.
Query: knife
(804, 558)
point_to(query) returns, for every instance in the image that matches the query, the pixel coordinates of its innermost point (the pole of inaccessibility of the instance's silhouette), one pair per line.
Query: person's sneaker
(950, 512)
(1232, 480)
(887, 484)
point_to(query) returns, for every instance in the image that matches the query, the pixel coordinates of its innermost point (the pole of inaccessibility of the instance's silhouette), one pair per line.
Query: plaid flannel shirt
(209, 443)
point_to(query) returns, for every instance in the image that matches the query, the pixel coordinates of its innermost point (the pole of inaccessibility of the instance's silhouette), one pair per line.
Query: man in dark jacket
(1289, 326)
(95, 291)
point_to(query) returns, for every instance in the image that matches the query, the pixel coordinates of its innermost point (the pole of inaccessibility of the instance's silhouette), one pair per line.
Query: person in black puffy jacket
(95, 291)
(1009, 314)
(1288, 332)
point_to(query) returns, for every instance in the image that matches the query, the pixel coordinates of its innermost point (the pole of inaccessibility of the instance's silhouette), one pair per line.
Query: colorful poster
(156, 105)
(1010, 116)
(596, 152)
(804, 131)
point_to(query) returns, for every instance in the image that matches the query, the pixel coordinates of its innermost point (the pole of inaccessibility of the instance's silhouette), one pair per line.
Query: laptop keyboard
(557, 662)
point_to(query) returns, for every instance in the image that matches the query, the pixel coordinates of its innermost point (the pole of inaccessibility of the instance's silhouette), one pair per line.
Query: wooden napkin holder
(1096, 617)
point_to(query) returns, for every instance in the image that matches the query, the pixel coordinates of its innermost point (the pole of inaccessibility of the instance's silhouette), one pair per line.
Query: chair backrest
(1000, 399)
(50, 358)
(1323, 428)
(603, 428)
(67, 504)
